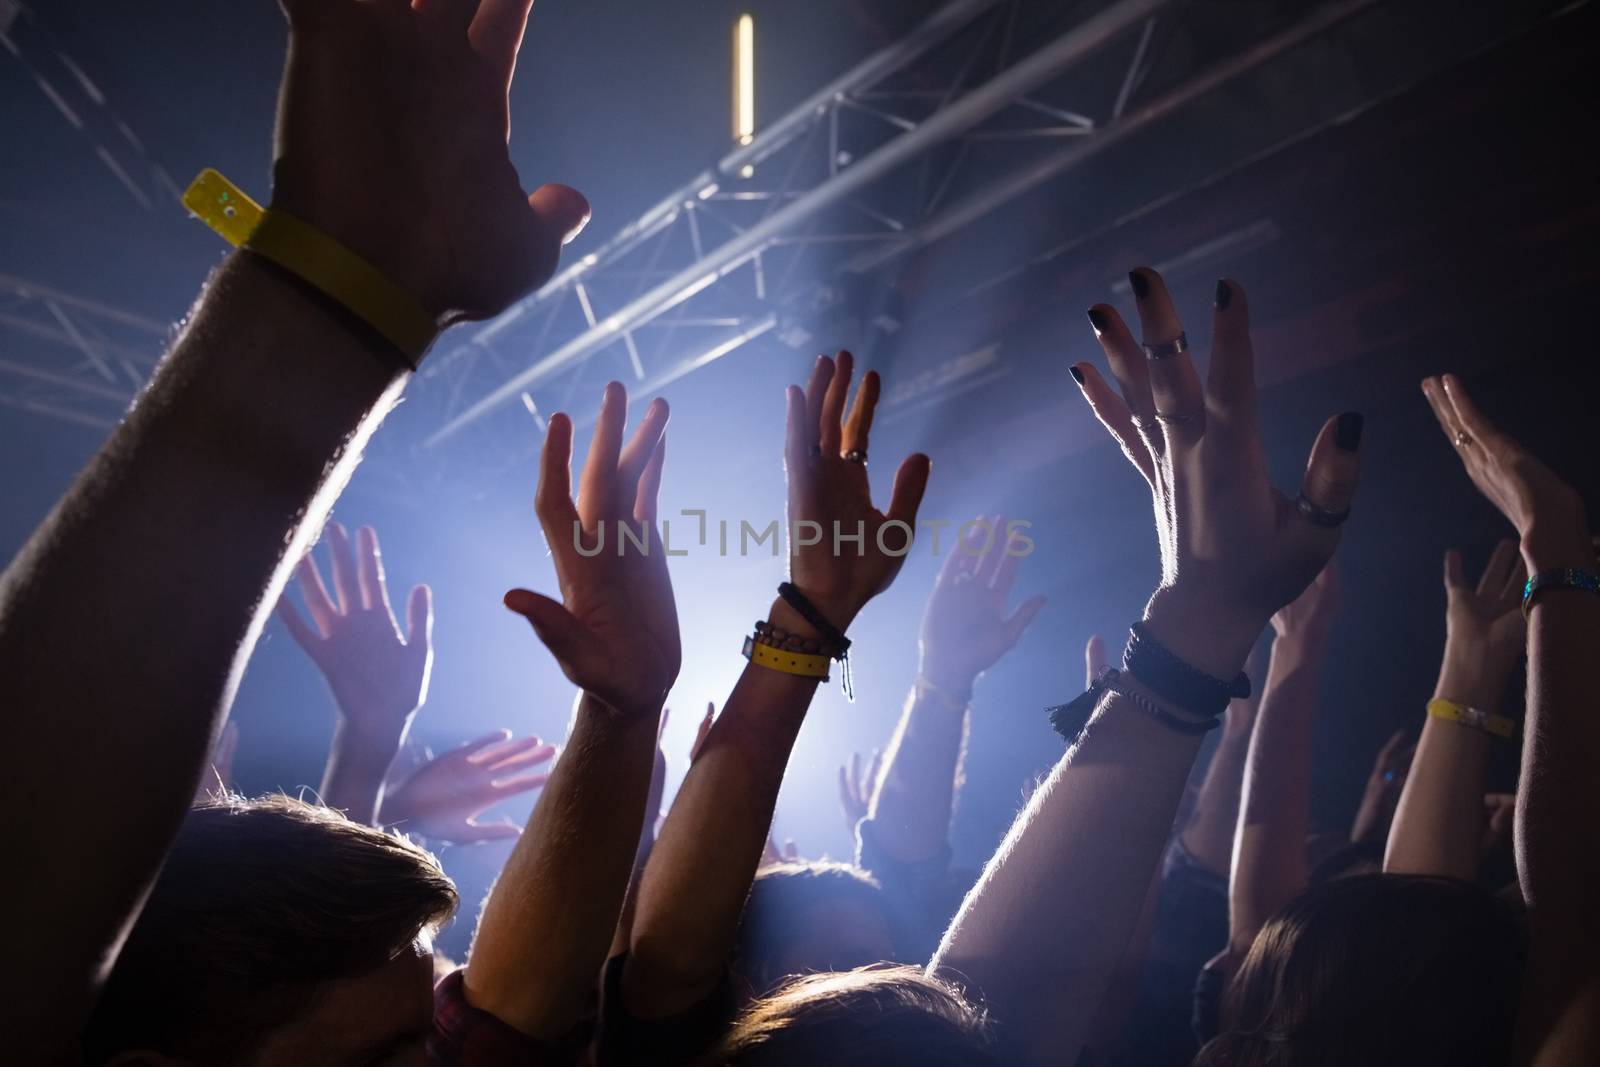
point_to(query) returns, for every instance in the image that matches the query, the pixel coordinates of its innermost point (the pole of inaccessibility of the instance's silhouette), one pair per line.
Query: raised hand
(830, 490)
(1382, 793)
(965, 626)
(379, 677)
(1484, 627)
(392, 134)
(855, 788)
(1233, 549)
(442, 799)
(1548, 514)
(615, 630)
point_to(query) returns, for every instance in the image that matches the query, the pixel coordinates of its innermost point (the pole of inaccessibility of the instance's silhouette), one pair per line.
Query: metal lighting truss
(72, 358)
(861, 172)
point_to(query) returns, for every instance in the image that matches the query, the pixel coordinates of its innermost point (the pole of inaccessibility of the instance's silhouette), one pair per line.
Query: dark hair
(862, 1018)
(779, 898)
(1376, 969)
(260, 899)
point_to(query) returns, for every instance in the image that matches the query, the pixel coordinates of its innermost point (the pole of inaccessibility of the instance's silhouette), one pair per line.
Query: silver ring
(1176, 418)
(1167, 349)
(856, 455)
(1462, 439)
(1320, 516)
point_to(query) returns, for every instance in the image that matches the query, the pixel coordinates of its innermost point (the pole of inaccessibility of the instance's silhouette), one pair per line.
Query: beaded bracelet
(1567, 578)
(835, 644)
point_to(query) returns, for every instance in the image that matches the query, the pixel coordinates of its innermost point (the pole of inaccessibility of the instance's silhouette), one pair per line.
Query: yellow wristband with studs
(802, 664)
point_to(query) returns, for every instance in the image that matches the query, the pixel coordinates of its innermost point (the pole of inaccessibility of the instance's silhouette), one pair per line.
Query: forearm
(1439, 821)
(183, 526)
(1269, 864)
(700, 871)
(352, 780)
(548, 923)
(911, 806)
(1044, 929)
(1208, 838)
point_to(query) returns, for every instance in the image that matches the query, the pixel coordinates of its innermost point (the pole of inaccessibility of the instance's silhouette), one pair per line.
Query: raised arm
(378, 676)
(700, 871)
(1438, 825)
(1557, 838)
(966, 628)
(1269, 852)
(549, 920)
(1042, 932)
(1208, 834)
(135, 605)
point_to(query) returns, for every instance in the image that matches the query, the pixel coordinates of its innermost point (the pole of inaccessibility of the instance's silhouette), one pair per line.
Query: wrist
(365, 746)
(1469, 686)
(1558, 546)
(1202, 635)
(954, 682)
(783, 615)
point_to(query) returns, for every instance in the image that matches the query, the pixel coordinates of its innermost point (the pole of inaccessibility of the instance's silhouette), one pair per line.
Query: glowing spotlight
(744, 79)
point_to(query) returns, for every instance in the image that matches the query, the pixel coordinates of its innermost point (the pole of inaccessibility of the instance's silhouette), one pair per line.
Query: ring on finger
(1462, 439)
(856, 455)
(1176, 418)
(1168, 349)
(1320, 516)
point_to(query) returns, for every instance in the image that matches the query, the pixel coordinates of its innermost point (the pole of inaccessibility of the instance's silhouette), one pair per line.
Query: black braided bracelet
(1170, 678)
(835, 645)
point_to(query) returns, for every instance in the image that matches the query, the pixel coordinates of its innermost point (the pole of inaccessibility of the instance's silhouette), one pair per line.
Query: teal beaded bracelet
(1569, 578)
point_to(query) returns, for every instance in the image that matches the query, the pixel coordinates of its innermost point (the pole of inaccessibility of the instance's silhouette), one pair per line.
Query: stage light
(744, 79)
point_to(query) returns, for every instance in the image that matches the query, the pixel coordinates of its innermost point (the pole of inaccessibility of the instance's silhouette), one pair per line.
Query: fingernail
(1077, 375)
(1097, 319)
(1224, 294)
(1141, 284)
(1347, 434)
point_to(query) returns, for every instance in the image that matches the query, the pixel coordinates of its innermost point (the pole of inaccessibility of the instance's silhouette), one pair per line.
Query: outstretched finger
(797, 437)
(1114, 414)
(816, 397)
(1335, 465)
(858, 427)
(1467, 415)
(641, 449)
(1433, 390)
(910, 482)
(471, 833)
(419, 617)
(345, 583)
(496, 35)
(1231, 381)
(553, 499)
(1180, 403)
(1094, 658)
(1454, 576)
(833, 401)
(369, 571)
(645, 503)
(1131, 369)
(473, 747)
(597, 485)
(1019, 620)
(315, 594)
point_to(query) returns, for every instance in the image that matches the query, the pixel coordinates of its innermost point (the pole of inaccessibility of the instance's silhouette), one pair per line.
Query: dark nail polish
(1077, 375)
(1347, 434)
(1224, 294)
(1141, 284)
(1097, 319)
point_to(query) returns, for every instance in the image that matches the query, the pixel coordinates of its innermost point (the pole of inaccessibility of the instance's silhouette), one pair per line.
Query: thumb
(1335, 464)
(560, 631)
(562, 208)
(1022, 617)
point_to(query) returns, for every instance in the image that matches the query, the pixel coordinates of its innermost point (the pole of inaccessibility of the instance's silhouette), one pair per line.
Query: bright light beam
(744, 79)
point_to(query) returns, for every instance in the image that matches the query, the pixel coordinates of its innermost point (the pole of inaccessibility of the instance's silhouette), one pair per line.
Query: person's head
(1376, 969)
(277, 932)
(861, 1018)
(1344, 860)
(806, 917)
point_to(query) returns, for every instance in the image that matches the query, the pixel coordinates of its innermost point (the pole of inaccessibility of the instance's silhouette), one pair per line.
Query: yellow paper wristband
(1476, 718)
(801, 663)
(307, 252)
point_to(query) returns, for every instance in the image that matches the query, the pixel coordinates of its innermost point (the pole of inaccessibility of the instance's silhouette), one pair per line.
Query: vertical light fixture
(744, 79)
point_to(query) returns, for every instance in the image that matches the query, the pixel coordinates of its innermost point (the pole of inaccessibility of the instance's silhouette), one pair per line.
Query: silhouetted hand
(442, 798)
(855, 788)
(965, 626)
(1484, 628)
(379, 677)
(393, 123)
(831, 491)
(1384, 783)
(1548, 514)
(615, 630)
(1233, 549)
